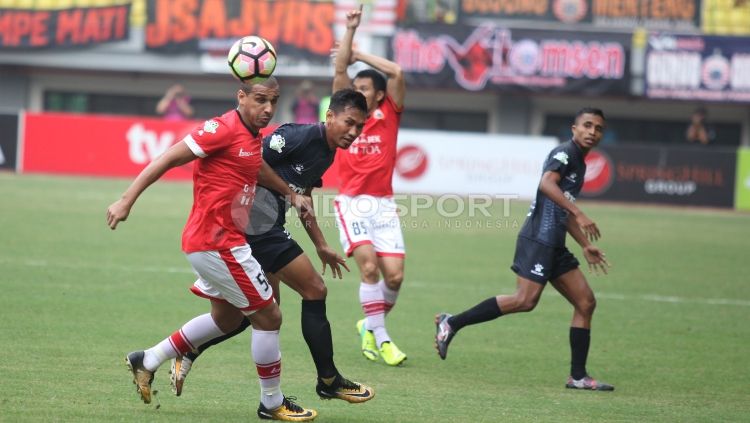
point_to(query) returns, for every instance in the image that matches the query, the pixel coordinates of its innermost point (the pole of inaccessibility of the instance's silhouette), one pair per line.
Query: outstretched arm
(595, 257)
(269, 179)
(344, 52)
(177, 155)
(551, 188)
(328, 255)
(396, 87)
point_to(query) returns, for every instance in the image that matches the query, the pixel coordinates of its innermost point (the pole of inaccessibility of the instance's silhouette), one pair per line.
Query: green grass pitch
(671, 331)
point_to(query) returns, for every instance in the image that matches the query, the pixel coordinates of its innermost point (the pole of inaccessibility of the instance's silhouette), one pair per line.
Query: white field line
(672, 299)
(414, 284)
(626, 297)
(108, 267)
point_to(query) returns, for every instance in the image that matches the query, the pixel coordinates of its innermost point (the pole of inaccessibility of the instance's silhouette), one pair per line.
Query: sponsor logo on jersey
(299, 168)
(277, 143)
(569, 196)
(365, 145)
(245, 153)
(572, 177)
(561, 157)
(296, 189)
(210, 126)
(538, 270)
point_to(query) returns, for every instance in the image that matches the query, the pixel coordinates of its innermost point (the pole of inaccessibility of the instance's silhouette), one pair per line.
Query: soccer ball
(252, 59)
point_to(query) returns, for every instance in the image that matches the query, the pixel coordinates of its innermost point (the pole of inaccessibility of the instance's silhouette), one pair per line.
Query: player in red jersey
(228, 166)
(369, 226)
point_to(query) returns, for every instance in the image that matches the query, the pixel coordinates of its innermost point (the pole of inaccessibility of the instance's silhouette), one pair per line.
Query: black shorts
(541, 263)
(274, 249)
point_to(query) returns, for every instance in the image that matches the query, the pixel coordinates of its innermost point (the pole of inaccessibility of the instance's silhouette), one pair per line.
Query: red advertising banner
(108, 146)
(81, 26)
(98, 145)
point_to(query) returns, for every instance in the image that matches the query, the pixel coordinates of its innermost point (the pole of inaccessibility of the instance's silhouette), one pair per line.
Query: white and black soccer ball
(252, 59)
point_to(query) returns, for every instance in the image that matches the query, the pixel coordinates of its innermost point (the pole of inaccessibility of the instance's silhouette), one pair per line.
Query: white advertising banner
(435, 162)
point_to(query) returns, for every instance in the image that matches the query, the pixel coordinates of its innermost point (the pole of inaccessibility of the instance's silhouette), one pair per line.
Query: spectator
(699, 130)
(305, 106)
(175, 105)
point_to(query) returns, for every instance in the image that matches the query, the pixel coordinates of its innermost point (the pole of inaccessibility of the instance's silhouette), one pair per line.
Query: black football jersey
(546, 222)
(300, 155)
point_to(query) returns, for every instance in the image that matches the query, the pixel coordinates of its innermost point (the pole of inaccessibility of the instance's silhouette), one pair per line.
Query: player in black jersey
(300, 154)
(541, 254)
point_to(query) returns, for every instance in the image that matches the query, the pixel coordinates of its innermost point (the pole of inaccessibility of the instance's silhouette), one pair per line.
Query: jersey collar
(239, 116)
(323, 138)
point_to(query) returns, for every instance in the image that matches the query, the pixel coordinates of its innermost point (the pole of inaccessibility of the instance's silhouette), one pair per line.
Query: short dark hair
(591, 111)
(347, 97)
(378, 80)
(270, 82)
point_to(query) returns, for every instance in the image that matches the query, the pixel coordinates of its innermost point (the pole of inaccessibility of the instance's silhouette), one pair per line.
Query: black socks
(315, 329)
(317, 333)
(580, 339)
(482, 312)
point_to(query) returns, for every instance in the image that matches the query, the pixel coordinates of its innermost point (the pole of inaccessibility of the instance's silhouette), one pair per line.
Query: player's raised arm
(343, 53)
(550, 186)
(396, 86)
(177, 155)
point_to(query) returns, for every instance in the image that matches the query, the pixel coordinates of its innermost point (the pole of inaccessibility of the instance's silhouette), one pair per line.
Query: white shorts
(365, 219)
(233, 276)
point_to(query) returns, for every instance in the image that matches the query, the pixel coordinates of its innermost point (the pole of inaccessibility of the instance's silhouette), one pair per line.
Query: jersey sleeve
(557, 161)
(392, 105)
(281, 144)
(208, 138)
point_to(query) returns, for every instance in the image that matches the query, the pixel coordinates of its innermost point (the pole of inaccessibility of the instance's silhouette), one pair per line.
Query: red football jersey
(367, 166)
(224, 178)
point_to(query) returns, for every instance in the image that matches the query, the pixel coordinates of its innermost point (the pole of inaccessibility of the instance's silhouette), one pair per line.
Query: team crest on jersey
(210, 126)
(561, 157)
(378, 114)
(277, 143)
